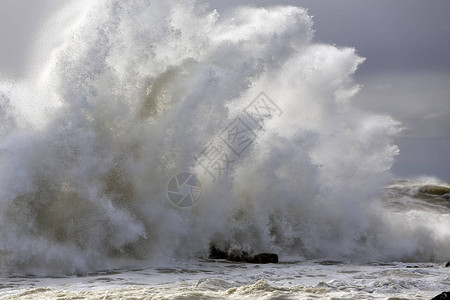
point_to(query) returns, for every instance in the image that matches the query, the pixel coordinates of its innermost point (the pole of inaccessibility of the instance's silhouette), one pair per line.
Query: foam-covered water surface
(135, 93)
(224, 280)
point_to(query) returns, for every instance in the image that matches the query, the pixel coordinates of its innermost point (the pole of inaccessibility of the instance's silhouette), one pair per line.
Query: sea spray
(138, 90)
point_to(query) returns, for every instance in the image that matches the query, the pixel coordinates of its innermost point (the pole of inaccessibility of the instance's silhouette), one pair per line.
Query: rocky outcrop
(216, 253)
(264, 258)
(442, 296)
(434, 190)
(242, 256)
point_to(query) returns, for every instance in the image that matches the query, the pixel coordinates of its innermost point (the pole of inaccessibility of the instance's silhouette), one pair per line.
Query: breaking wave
(136, 92)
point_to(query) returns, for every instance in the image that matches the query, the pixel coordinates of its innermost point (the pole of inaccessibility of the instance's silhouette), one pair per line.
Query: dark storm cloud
(421, 101)
(393, 35)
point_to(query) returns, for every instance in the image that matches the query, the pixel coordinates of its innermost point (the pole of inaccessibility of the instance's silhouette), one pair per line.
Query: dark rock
(442, 296)
(242, 256)
(434, 190)
(264, 258)
(447, 264)
(215, 253)
(238, 256)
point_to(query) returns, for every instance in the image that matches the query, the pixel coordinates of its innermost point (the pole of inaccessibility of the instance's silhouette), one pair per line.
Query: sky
(406, 74)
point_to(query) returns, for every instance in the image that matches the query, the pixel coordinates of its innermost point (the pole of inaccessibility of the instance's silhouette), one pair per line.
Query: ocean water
(145, 132)
(291, 278)
(225, 280)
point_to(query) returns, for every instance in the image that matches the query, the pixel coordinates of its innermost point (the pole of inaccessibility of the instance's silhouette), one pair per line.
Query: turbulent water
(290, 279)
(132, 94)
(222, 280)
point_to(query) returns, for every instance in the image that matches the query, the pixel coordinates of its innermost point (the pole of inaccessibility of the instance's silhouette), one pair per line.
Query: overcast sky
(406, 74)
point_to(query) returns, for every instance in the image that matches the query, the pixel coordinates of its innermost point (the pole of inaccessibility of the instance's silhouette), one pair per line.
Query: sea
(147, 132)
